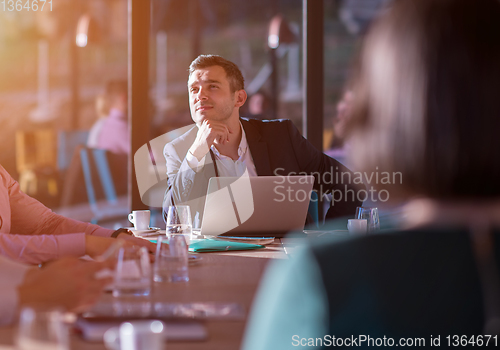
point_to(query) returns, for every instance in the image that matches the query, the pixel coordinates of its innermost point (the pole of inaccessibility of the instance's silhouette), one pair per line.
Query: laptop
(262, 206)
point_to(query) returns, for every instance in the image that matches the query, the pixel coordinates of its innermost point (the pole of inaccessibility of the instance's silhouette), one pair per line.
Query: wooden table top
(219, 277)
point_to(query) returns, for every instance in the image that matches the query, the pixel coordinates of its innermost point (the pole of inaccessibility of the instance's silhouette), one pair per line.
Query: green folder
(209, 245)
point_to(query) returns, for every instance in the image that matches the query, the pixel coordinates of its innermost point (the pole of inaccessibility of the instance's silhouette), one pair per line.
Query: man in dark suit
(223, 144)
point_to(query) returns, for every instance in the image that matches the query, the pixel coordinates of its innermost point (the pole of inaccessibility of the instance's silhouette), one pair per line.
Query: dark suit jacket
(277, 148)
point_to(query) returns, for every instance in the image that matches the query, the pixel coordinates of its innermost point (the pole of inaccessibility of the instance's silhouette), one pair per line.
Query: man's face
(210, 96)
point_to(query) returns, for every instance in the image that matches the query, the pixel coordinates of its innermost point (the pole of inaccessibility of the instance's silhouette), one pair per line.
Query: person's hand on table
(95, 246)
(141, 242)
(69, 283)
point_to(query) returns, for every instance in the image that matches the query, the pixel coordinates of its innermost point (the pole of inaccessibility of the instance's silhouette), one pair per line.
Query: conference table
(225, 277)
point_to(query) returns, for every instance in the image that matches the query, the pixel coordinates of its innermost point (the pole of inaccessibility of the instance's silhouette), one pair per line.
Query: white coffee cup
(140, 219)
(357, 226)
(136, 335)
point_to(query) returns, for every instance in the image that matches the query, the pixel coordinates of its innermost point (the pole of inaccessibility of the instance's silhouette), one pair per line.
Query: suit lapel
(258, 149)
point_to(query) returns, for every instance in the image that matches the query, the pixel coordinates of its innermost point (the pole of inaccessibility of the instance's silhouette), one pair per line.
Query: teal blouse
(290, 306)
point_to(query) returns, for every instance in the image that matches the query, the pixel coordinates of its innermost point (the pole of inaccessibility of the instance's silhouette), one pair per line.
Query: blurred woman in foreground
(427, 104)
(31, 233)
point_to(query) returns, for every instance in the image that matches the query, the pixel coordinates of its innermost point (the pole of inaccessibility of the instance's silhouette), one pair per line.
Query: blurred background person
(110, 131)
(102, 111)
(259, 106)
(338, 145)
(426, 104)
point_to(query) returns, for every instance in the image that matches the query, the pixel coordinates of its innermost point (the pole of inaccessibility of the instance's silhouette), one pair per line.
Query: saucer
(143, 233)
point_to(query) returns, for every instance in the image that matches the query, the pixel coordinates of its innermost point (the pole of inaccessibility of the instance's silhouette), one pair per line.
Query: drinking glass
(132, 272)
(42, 329)
(136, 335)
(171, 261)
(179, 222)
(371, 217)
(357, 226)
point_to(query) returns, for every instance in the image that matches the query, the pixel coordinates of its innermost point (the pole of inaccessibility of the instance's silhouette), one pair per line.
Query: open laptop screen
(256, 206)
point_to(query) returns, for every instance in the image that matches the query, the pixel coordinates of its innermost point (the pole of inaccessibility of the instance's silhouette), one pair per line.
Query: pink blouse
(31, 233)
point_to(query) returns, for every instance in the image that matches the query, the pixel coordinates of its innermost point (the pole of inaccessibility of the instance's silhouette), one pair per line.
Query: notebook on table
(261, 206)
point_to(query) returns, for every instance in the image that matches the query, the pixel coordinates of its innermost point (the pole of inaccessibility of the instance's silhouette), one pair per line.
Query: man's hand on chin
(209, 132)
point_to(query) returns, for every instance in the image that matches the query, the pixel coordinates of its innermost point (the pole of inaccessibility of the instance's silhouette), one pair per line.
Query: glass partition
(56, 63)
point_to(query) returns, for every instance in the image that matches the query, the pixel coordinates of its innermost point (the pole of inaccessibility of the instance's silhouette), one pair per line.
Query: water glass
(179, 222)
(371, 217)
(132, 272)
(357, 226)
(136, 335)
(171, 261)
(42, 329)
